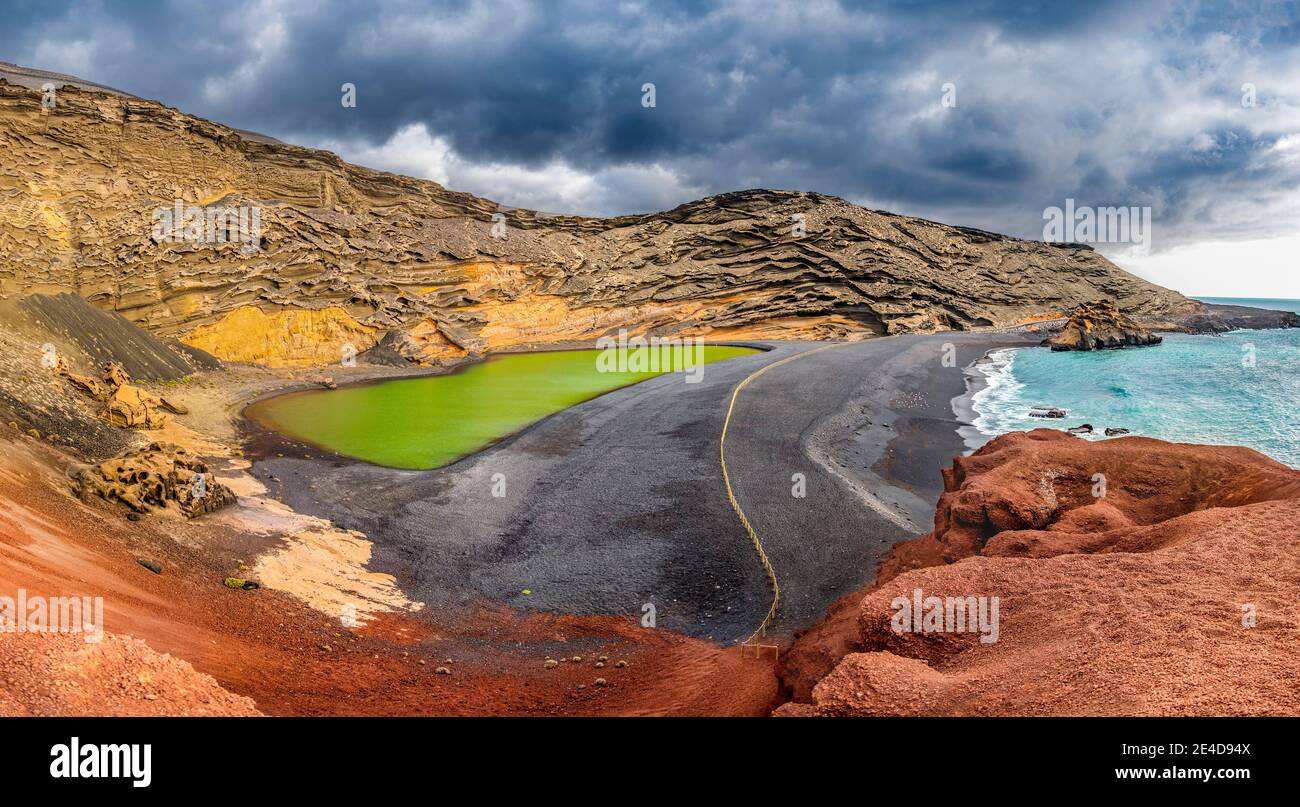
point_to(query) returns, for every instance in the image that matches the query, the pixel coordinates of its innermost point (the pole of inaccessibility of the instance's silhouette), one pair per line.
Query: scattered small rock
(1046, 412)
(152, 565)
(551, 664)
(600, 682)
(620, 664)
(443, 671)
(241, 583)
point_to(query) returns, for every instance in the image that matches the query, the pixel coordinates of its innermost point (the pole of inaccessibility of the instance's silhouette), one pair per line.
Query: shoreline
(260, 440)
(963, 405)
(872, 416)
(879, 416)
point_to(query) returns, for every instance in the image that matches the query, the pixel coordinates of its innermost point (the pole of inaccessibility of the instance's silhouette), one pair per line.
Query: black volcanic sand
(618, 502)
(108, 336)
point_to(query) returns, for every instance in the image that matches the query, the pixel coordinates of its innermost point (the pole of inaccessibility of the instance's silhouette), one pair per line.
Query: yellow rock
(289, 336)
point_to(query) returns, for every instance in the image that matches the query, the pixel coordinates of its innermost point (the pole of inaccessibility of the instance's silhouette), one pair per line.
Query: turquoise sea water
(1190, 389)
(1277, 304)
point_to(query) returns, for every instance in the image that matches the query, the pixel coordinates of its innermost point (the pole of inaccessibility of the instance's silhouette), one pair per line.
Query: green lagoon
(428, 422)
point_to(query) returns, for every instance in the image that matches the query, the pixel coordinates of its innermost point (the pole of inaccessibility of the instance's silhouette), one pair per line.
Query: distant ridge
(349, 255)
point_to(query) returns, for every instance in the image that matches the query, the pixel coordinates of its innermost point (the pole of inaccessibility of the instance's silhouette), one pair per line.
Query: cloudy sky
(1192, 109)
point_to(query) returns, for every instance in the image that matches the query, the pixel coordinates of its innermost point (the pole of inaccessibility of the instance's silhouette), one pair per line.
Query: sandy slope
(286, 656)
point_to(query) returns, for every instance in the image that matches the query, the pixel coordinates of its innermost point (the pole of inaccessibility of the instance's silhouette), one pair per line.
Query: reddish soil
(290, 659)
(1136, 603)
(61, 674)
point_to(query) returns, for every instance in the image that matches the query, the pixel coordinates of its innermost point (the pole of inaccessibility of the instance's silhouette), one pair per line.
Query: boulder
(1099, 325)
(158, 476)
(1046, 412)
(127, 406)
(1099, 590)
(173, 407)
(131, 407)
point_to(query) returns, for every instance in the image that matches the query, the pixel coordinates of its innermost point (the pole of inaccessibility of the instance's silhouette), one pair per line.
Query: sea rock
(1099, 325)
(1046, 412)
(1103, 593)
(1111, 431)
(1085, 428)
(156, 477)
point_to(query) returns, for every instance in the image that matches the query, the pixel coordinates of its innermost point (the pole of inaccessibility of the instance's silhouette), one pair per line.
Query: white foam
(995, 403)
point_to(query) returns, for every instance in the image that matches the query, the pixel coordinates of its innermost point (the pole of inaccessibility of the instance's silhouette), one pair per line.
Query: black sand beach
(618, 503)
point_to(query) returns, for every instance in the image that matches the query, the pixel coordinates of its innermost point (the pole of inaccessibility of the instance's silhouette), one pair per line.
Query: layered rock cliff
(347, 256)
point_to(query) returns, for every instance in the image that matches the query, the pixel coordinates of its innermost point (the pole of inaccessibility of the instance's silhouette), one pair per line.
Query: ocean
(1277, 304)
(1238, 388)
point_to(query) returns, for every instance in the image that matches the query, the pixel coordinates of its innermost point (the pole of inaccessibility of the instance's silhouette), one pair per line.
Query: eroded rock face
(1100, 325)
(125, 405)
(1172, 593)
(1046, 492)
(369, 253)
(158, 476)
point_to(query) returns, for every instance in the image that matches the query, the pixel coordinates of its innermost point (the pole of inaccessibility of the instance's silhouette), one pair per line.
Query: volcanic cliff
(1132, 576)
(348, 255)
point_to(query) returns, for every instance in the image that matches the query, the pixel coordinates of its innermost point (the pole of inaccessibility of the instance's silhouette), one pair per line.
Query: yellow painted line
(731, 494)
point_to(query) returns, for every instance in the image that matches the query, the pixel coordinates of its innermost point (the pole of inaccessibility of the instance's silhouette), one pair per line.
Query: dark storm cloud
(539, 104)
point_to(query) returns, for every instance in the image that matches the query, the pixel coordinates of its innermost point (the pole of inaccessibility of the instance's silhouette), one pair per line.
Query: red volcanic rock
(1172, 593)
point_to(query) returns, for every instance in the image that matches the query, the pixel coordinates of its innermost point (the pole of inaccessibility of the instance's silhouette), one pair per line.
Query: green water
(427, 422)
